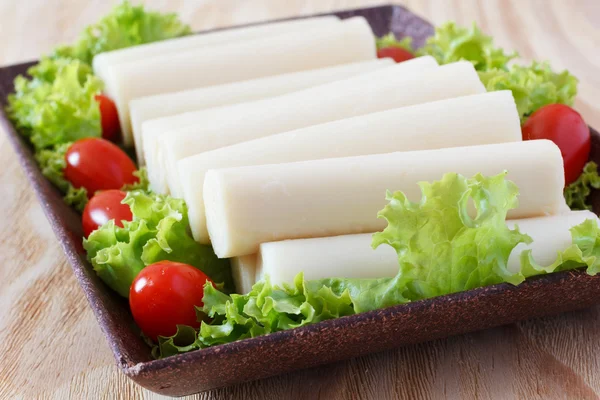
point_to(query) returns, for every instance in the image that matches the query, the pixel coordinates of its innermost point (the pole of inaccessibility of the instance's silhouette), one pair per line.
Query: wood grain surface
(51, 346)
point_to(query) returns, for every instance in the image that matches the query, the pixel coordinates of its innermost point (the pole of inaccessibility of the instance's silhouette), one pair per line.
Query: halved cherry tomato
(104, 206)
(397, 53)
(97, 164)
(109, 117)
(565, 127)
(164, 294)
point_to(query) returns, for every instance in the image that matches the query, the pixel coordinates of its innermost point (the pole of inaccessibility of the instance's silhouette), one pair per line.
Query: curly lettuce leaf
(30, 92)
(125, 26)
(390, 40)
(76, 197)
(158, 231)
(452, 43)
(584, 252)
(576, 194)
(142, 184)
(52, 163)
(48, 68)
(559, 87)
(57, 105)
(532, 86)
(437, 234)
(267, 308)
(184, 340)
(442, 250)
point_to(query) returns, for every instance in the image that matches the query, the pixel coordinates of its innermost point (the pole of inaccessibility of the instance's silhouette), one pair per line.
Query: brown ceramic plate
(312, 345)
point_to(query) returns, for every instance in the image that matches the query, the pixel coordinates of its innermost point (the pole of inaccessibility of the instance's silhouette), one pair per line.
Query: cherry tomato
(97, 164)
(164, 294)
(565, 127)
(104, 206)
(397, 53)
(109, 117)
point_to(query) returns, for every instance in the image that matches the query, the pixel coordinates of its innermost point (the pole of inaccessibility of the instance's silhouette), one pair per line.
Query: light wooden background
(51, 346)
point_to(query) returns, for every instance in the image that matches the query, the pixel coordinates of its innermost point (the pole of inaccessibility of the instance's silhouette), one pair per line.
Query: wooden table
(52, 347)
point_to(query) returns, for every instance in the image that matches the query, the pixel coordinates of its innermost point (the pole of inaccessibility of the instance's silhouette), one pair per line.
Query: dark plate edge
(43, 188)
(416, 307)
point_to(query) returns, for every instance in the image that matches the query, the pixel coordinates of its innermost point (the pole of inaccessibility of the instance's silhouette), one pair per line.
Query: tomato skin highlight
(397, 53)
(109, 118)
(567, 129)
(97, 164)
(164, 294)
(104, 206)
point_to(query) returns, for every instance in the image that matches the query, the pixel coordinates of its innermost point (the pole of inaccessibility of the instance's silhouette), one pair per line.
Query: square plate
(312, 345)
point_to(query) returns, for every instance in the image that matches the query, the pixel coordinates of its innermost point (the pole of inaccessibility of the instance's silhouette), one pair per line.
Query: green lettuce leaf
(533, 86)
(576, 194)
(585, 251)
(366, 294)
(184, 340)
(452, 43)
(437, 234)
(48, 68)
(390, 40)
(125, 26)
(142, 184)
(52, 163)
(442, 250)
(158, 231)
(560, 87)
(57, 105)
(267, 308)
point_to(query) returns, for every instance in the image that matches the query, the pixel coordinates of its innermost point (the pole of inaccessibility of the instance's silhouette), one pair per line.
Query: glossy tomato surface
(565, 127)
(103, 207)
(97, 164)
(109, 118)
(397, 53)
(164, 294)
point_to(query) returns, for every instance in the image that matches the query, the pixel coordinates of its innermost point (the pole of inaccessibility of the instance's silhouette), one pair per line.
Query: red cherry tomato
(109, 117)
(97, 164)
(104, 206)
(565, 127)
(164, 294)
(397, 53)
